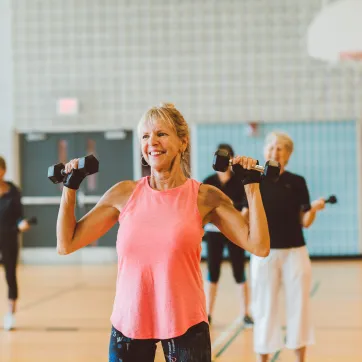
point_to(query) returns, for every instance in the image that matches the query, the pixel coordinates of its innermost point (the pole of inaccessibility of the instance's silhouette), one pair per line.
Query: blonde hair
(2, 163)
(281, 137)
(167, 112)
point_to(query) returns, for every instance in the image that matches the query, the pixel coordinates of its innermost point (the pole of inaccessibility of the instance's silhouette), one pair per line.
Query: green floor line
(229, 341)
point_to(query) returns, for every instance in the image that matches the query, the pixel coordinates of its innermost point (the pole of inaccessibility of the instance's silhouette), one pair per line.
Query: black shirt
(10, 212)
(232, 188)
(283, 201)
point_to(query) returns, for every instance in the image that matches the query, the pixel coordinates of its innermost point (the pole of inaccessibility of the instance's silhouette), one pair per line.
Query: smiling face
(278, 148)
(161, 146)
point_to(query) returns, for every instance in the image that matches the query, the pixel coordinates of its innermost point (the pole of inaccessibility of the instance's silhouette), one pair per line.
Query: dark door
(41, 197)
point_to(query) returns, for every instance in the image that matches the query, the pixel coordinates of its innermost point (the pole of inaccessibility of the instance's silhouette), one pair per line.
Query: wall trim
(87, 255)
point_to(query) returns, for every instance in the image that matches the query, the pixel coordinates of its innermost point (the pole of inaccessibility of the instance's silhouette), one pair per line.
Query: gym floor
(64, 311)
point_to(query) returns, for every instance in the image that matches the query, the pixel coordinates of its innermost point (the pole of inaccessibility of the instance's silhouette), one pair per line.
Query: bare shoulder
(118, 195)
(209, 198)
(209, 195)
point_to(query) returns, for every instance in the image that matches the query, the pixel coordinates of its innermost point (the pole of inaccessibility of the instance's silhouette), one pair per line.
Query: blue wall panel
(325, 154)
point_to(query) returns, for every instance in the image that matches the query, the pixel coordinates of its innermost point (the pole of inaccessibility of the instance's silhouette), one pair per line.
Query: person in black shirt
(216, 241)
(11, 222)
(288, 210)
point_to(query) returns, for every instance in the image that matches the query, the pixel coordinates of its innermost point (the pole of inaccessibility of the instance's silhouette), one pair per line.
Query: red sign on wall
(67, 106)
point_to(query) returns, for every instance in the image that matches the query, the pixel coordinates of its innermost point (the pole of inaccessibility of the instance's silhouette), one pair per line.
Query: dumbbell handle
(32, 221)
(64, 173)
(256, 167)
(331, 199)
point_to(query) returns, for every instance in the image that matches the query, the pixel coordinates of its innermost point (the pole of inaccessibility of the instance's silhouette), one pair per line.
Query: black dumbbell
(331, 200)
(32, 221)
(87, 165)
(222, 161)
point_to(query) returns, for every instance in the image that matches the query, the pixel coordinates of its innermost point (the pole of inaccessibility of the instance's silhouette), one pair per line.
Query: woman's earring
(143, 164)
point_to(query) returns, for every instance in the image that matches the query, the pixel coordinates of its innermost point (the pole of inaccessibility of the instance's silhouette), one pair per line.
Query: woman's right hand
(72, 164)
(73, 182)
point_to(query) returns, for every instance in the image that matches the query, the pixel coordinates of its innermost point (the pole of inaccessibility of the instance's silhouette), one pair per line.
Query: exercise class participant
(288, 209)
(228, 183)
(11, 222)
(159, 288)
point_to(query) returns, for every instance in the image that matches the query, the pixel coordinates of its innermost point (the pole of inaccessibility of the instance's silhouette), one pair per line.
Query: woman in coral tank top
(159, 288)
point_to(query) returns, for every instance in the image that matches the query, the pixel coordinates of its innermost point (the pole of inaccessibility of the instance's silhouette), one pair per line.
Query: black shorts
(194, 345)
(216, 242)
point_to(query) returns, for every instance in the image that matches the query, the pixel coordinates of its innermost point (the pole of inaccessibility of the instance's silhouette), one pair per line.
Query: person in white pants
(288, 209)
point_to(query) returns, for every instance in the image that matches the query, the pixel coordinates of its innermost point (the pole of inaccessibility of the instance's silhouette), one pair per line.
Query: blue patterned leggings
(193, 346)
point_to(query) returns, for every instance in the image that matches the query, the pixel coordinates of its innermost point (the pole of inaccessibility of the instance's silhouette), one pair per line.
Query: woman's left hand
(318, 204)
(246, 162)
(23, 225)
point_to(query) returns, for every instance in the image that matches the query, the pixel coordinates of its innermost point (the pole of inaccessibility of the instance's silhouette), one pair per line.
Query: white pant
(291, 268)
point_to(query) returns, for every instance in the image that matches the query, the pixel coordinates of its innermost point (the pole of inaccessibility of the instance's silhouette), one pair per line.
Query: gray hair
(281, 137)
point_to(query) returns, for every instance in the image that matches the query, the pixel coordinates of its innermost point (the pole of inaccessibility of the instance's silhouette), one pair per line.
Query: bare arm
(251, 235)
(66, 221)
(73, 235)
(307, 218)
(245, 213)
(253, 238)
(258, 225)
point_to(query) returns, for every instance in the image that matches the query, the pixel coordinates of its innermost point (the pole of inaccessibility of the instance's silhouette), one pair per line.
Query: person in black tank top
(11, 222)
(288, 210)
(216, 241)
